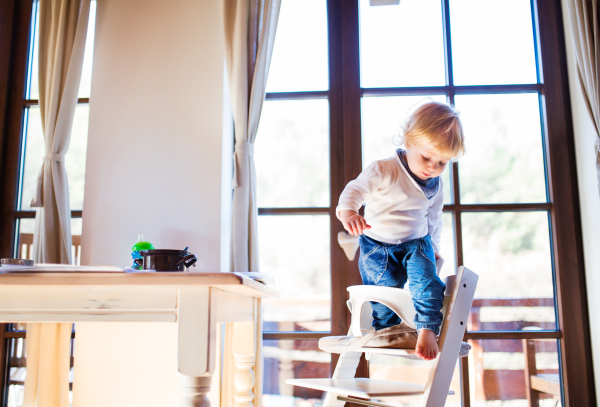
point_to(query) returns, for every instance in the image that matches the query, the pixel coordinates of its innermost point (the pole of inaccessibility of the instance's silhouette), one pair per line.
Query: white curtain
(250, 27)
(585, 22)
(62, 34)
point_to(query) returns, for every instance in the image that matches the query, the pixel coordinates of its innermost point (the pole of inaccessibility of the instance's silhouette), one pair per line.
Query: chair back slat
(451, 335)
(25, 242)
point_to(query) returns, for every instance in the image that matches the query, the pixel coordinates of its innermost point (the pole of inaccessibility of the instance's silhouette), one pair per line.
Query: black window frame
(562, 206)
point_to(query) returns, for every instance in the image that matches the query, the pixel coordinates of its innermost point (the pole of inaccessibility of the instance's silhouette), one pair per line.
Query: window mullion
(448, 47)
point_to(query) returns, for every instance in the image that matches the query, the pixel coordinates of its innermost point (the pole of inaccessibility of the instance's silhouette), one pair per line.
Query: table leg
(197, 343)
(195, 390)
(244, 380)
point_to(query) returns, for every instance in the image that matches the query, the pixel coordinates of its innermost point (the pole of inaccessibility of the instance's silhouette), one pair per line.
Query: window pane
(504, 161)
(511, 253)
(382, 118)
(300, 61)
(492, 42)
(384, 367)
(292, 154)
(86, 75)
(34, 155)
(447, 249)
(295, 251)
(402, 45)
(293, 359)
(74, 160)
(497, 372)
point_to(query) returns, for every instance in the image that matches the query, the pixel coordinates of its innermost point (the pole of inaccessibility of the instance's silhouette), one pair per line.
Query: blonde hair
(437, 124)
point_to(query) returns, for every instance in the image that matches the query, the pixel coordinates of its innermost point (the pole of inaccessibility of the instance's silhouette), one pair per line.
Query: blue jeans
(390, 265)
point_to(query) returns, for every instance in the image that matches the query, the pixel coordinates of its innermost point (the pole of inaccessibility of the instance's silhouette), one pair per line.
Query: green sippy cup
(141, 244)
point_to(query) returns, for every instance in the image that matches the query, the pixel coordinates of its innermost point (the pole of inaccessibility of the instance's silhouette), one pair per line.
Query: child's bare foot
(427, 346)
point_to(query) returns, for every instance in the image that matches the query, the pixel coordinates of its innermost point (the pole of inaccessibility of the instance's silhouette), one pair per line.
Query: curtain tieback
(55, 157)
(245, 148)
(241, 148)
(37, 200)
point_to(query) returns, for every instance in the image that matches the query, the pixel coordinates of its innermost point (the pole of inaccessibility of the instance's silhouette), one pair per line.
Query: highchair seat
(399, 340)
(389, 340)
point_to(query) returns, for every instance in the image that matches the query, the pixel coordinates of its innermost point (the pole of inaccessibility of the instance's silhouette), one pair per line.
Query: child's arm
(355, 194)
(353, 222)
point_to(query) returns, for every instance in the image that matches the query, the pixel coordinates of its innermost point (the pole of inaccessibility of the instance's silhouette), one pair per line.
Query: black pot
(166, 260)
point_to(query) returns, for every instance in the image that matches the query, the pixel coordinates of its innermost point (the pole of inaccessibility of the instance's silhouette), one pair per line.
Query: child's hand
(353, 223)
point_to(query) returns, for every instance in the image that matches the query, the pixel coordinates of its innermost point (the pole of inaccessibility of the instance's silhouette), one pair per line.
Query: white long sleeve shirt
(396, 207)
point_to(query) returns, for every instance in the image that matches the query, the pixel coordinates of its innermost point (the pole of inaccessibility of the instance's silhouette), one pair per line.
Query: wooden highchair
(342, 387)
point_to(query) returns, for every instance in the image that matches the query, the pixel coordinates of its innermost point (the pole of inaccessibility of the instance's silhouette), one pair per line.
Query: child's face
(425, 161)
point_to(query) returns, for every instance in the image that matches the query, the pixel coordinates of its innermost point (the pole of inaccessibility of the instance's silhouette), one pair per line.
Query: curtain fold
(585, 22)
(62, 35)
(250, 27)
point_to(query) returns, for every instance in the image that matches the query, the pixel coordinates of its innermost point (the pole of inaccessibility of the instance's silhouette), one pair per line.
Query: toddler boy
(400, 233)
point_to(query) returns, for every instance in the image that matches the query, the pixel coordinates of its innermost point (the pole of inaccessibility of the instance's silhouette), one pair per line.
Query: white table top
(231, 282)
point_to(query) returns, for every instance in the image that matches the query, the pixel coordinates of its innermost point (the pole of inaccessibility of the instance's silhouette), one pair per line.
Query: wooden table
(197, 302)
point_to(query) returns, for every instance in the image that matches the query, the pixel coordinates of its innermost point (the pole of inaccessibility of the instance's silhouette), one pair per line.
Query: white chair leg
(345, 369)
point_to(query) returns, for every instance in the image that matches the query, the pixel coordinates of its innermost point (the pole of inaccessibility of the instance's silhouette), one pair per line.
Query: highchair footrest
(363, 402)
(361, 387)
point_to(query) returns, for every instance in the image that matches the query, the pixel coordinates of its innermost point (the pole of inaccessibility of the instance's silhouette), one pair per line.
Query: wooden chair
(508, 384)
(343, 387)
(536, 382)
(26, 247)
(76, 249)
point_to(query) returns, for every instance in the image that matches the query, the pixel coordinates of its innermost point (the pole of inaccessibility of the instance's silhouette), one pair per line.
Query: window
(21, 161)
(33, 143)
(292, 162)
(504, 209)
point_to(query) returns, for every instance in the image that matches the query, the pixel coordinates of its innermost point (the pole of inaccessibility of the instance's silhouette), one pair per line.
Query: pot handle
(188, 260)
(139, 262)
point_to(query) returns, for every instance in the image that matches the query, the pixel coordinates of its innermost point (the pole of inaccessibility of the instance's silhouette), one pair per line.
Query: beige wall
(585, 136)
(154, 166)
